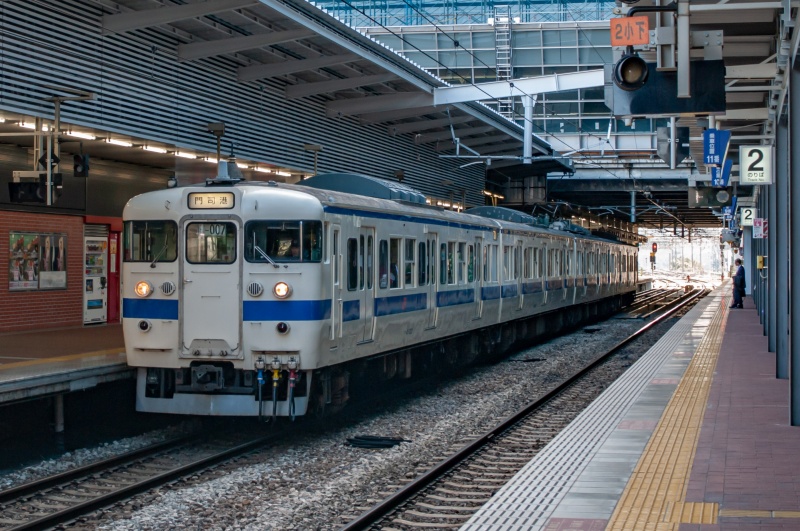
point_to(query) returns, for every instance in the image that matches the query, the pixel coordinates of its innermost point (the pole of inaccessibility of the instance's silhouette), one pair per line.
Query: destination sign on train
(206, 200)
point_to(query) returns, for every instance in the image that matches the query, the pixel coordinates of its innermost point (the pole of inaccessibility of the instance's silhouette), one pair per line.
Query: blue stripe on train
(400, 304)
(455, 297)
(149, 309)
(531, 287)
(351, 310)
(286, 310)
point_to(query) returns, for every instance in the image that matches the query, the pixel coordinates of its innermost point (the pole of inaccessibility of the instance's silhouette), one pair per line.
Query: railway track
(65, 497)
(450, 492)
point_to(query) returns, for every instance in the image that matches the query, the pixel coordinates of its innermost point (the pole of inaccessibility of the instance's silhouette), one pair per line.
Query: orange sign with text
(630, 31)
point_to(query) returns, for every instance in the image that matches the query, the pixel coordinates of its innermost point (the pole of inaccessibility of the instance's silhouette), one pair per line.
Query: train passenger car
(265, 299)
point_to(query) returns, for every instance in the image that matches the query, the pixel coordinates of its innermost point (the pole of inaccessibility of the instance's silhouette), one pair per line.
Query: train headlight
(143, 288)
(282, 290)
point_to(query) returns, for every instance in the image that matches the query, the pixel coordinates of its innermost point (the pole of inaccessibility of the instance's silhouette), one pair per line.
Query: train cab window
(410, 262)
(283, 241)
(150, 241)
(211, 242)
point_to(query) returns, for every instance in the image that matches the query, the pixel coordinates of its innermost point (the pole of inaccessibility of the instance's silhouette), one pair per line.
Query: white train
(265, 299)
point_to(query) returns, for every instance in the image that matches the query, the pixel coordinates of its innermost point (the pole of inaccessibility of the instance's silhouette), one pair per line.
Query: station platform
(695, 436)
(51, 362)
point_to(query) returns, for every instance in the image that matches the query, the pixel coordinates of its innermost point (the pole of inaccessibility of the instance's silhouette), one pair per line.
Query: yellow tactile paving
(654, 497)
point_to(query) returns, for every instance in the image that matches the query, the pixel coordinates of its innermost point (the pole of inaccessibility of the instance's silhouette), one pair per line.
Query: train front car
(223, 306)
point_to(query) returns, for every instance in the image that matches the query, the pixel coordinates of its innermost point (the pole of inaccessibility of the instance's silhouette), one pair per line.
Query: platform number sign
(748, 214)
(755, 165)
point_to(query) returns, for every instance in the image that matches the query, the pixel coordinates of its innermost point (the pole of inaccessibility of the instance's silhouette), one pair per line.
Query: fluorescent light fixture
(155, 149)
(212, 160)
(78, 134)
(283, 173)
(183, 155)
(116, 142)
(241, 165)
(262, 170)
(28, 125)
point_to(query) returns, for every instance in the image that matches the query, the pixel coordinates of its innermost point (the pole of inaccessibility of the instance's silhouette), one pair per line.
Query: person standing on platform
(738, 285)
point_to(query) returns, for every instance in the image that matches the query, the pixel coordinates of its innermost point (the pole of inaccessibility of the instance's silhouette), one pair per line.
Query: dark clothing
(738, 288)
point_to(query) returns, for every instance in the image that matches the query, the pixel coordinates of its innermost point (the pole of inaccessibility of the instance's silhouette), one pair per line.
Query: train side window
(443, 265)
(361, 250)
(410, 261)
(431, 260)
(352, 264)
(370, 261)
(383, 264)
(493, 259)
(470, 264)
(485, 263)
(335, 256)
(462, 262)
(506, 262)
(451, 265)
(526, 262)
(423, 264)
(394, 262)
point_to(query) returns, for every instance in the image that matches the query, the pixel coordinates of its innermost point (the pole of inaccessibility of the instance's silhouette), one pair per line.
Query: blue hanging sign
(715, 146)
(721, 176)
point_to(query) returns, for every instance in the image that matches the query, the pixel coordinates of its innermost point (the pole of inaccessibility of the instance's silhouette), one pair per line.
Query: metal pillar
(59, 413)
(633, 206)
(778, 259)
(528, 101)
(794, 247)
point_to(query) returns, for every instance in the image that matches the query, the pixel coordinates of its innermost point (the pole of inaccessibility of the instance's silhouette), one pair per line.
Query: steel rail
(380, 510)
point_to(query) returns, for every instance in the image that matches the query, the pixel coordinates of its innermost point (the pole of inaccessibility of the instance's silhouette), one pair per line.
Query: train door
(366, 257)
(544, 253)
(335, 262)
(518, 276)
(477, 268)
(211, 288)
(430, 288)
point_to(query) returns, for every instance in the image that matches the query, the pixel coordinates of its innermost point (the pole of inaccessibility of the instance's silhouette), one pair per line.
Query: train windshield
(283, 241)
(211, 243)
(150, 241)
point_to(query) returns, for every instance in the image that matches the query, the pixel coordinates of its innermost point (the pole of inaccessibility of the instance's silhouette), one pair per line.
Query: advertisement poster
(53, 265)
(37, 261)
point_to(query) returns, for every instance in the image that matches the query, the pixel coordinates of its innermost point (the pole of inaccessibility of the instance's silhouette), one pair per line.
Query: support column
(778, 259)
(794, 248)
(59, 413)
(528, 102)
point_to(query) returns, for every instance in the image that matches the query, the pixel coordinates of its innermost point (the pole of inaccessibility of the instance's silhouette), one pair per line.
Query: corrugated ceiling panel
(142, 90)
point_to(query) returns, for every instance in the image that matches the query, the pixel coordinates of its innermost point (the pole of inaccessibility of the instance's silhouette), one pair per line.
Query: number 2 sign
(755, 164)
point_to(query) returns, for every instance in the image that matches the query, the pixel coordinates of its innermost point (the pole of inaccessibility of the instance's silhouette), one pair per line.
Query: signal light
(655, 247)
(80, 165)
(630, 73)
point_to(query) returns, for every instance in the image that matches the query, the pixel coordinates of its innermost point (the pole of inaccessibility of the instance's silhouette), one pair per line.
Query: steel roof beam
(444, 135)
(251, 73)
(518, 87)
(199, 50)
(132, 20)
(390, 116)
(355, 106)
(427, 125)
(302, 90)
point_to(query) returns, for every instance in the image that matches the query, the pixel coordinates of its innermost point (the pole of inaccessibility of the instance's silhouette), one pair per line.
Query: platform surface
(695, 436)
(34, 364)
